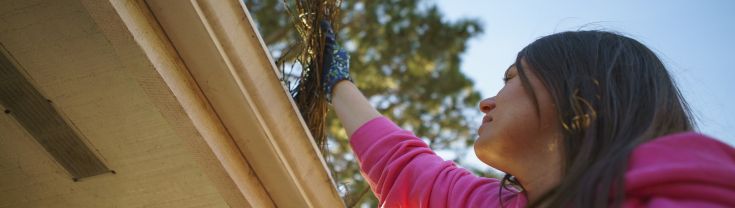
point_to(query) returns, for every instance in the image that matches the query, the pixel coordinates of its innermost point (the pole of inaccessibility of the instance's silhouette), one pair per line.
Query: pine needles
(308, 93)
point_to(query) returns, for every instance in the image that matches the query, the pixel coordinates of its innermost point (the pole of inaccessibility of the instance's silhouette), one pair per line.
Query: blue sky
(695, 39)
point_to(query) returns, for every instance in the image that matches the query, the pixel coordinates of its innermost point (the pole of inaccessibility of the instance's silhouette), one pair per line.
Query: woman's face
(512, 132)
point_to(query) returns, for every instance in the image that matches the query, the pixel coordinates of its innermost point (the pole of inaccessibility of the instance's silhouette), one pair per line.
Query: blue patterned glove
(336, 62)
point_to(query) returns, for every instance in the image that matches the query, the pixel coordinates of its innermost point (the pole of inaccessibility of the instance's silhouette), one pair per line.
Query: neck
(537, 183)
(540, 174)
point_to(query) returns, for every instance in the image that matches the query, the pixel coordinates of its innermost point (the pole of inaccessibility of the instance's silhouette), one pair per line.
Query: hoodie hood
(681, 170)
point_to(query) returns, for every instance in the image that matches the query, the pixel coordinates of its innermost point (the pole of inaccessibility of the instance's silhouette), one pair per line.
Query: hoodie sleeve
(681, 170)
(404, 172)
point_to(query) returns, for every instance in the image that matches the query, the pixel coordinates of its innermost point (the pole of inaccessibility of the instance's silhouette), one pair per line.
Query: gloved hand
(336, 66)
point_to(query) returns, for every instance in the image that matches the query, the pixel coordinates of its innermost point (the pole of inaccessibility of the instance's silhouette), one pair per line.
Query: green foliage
(405, 57)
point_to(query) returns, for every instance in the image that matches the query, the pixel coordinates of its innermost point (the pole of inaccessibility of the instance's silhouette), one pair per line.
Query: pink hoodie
(679, 170)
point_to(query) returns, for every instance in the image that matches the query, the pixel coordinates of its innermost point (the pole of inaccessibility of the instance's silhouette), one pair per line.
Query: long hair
(611, 93)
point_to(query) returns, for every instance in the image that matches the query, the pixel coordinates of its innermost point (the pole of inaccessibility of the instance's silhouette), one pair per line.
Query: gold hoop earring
(583, 121)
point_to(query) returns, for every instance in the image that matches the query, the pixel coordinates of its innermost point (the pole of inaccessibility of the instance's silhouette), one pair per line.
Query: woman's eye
(506, 79)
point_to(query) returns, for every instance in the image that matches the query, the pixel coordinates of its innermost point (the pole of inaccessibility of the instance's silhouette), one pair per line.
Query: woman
(585, 119)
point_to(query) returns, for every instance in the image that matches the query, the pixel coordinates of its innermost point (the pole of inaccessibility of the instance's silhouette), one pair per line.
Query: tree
(405, 57)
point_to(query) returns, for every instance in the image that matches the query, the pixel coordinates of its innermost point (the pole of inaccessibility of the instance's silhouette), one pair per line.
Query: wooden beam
(39, 117)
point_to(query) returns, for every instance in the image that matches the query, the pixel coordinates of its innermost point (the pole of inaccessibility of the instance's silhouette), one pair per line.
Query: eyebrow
(508, 70)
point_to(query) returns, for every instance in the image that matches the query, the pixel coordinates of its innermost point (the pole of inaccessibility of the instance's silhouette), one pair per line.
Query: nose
(487, 104)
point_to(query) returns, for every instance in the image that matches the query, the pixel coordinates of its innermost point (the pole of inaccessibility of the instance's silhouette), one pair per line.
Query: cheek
(517, 118)
(513, 130)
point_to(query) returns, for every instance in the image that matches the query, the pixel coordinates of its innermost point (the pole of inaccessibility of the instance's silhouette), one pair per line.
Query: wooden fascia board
(236, 91)
(179, 99)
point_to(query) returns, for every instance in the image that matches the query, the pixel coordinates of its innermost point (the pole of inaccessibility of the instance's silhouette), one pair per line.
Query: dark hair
(611, 94)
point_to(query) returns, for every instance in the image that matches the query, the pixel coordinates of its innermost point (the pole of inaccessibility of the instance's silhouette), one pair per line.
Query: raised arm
(400, 168)
(352, 108)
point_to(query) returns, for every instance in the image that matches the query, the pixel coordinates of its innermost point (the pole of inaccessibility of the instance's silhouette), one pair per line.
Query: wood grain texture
(225, 55)
(220, 155)
(101, 90)
(203, 124)
(38, 116)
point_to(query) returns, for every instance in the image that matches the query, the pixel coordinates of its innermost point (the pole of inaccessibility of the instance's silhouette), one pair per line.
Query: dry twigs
(308, 93)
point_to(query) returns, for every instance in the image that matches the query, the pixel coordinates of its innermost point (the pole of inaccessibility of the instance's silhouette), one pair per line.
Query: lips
(487, 119)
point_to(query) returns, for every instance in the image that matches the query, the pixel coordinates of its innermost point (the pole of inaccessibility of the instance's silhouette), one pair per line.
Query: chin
(479, 154)
(483, 150)
(488, 149)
